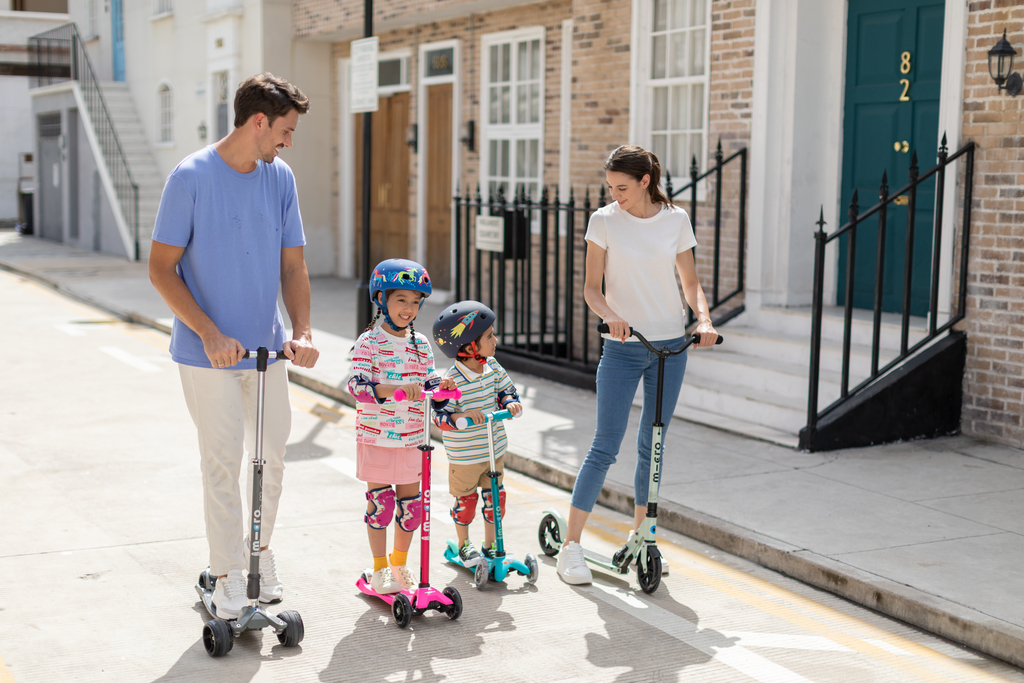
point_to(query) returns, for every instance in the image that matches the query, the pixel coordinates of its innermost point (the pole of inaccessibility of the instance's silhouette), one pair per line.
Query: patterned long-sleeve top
(380, 358)
(490, 390)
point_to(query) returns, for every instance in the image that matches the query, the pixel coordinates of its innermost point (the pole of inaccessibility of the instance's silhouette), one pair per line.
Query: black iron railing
(905, 195)
(717, 173)
(535, 283)
(60, 56)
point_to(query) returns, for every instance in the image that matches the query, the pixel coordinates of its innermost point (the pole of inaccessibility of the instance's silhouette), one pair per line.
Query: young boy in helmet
(465, 332)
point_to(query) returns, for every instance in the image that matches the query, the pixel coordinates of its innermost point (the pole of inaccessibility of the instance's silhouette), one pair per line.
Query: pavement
(929, 532)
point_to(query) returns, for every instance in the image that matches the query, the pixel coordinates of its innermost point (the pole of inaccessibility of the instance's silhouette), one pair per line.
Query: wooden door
(893, 69)
(389, 180)
(439, 184)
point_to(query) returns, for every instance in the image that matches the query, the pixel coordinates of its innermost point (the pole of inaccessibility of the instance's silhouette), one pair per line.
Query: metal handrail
(63, 47)
(850, 229)
(533, 284)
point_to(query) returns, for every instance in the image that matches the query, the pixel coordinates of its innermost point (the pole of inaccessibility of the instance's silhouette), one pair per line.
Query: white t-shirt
(639, 267)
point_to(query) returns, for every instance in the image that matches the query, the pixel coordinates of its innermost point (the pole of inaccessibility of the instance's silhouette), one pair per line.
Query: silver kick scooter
(219, 633)
(641, 545)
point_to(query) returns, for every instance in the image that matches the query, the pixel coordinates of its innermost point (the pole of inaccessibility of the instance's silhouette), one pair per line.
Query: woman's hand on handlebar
(707, 333)
(617, 327)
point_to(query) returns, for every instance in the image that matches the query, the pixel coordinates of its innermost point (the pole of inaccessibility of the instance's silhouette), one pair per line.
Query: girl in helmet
(386, 358)
(465, 332)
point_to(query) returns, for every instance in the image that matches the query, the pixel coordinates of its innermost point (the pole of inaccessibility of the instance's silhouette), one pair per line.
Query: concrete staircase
(756, 383)
(140, 157)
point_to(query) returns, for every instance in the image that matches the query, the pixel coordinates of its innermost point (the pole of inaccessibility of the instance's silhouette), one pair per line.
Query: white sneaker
(571, 567)
(383, 582)
(229, 595)
(404, 576)
(271, 587)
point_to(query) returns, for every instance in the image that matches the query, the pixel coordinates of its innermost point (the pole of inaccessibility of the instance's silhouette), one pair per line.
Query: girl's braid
(412, 338)
(376, 317)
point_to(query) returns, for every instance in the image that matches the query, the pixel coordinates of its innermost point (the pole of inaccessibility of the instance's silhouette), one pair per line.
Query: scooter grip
(437, 394)
(604, 329)
(496, 416)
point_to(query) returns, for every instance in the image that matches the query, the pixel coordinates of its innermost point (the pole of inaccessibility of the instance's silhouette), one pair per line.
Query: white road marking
(889, 647)
(785, 641)
(128, 359)
(70, 330)
(710, 642)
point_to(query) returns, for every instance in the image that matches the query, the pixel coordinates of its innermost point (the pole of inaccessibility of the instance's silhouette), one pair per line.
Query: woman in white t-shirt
(636, 245)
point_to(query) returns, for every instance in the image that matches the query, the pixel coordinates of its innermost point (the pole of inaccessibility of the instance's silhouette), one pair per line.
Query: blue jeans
(618, 373)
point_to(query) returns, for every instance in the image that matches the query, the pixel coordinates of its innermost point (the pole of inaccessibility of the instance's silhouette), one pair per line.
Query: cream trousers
(223, 407)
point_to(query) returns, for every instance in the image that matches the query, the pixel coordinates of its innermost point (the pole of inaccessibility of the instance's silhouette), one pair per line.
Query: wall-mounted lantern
(412, 137)
(202, 131)
(1001, 67)
(469, 137)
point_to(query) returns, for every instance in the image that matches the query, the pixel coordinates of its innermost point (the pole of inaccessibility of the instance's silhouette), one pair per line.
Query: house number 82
(905, 82)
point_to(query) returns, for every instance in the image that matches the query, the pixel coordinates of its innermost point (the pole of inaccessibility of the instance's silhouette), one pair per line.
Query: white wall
(16, 119)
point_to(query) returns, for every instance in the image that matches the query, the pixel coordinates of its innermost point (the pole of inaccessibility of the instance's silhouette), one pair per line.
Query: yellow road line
(5, 673)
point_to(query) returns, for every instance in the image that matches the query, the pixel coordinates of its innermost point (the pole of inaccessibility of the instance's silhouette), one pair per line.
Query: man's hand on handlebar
(617, 328)
(707, 333)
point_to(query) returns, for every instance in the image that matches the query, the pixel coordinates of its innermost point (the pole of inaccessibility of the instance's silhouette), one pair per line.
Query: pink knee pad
(464, 509)
(383, 500)
(410, 513)
(489, 503)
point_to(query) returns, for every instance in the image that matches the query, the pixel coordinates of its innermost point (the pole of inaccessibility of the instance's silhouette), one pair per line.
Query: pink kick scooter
(407, 603)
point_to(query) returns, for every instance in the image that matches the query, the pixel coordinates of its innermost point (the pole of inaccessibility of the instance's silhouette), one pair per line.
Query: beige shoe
(383, 582)
(404, 576)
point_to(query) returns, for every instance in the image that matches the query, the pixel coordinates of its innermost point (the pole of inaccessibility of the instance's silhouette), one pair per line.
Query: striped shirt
(487, 391)
(381, 358)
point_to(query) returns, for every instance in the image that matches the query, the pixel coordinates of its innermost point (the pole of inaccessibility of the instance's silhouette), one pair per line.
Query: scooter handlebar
(436, 394)
(251, 353)
(695, 339)
(496, 416)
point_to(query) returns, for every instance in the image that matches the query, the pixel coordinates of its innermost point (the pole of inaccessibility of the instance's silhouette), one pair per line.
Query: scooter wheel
(217, 638)
(531, 564)
(549, 536)
(480, 575)
(401, 610)
(455, 609)
(293, 634)
(650, 579)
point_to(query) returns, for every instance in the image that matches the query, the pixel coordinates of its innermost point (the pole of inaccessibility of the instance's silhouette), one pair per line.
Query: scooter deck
(603, 562)
(497, 572)
(421, 599)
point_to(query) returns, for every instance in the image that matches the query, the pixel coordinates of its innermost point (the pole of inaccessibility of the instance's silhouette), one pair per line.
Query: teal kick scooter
(640, 546)
(499, 565)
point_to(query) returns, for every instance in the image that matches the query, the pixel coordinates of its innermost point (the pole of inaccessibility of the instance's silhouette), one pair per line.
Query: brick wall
(994, 382)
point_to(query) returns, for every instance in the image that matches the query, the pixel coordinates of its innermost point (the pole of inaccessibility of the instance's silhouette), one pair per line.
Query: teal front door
(893, 69)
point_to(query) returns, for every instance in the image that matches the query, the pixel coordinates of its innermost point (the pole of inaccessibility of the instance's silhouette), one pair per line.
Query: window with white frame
(165, 97)
(512, 111)
(677, 82)
(163, 7)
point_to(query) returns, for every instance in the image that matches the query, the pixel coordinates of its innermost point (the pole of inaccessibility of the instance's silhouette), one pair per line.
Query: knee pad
(464, 509)
(410, 513)
(489, 504)
(383, 501)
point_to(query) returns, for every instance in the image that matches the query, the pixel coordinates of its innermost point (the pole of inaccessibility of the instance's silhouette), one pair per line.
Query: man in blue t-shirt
(228, 234)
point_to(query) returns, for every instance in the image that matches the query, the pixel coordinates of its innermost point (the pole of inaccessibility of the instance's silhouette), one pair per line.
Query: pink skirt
(382, 465)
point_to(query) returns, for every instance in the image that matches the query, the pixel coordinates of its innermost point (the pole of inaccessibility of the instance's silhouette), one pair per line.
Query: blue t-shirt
(233, 226)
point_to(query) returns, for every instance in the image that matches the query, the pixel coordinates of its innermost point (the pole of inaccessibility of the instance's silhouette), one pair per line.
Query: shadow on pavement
(400, 654)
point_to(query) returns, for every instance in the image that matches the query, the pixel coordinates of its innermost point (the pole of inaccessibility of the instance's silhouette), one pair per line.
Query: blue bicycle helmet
(397, 273)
